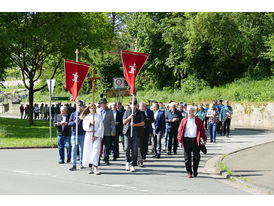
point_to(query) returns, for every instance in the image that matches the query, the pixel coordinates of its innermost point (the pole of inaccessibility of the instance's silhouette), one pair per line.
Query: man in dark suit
(149, 119)
(173, 119)
(159, 127)
(121, 109)
(109, 127)
(118, 119)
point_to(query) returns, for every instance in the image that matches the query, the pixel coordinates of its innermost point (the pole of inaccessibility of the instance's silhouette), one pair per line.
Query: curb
(38, 147)
(212, 167)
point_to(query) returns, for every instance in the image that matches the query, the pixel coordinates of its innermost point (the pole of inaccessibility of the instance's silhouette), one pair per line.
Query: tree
(37, 43)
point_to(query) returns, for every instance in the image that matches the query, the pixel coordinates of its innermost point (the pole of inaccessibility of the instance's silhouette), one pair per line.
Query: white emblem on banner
(76, 77)
(133, 68)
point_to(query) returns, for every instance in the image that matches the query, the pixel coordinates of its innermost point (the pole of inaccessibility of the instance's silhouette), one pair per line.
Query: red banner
(132, 63)
(75, 73)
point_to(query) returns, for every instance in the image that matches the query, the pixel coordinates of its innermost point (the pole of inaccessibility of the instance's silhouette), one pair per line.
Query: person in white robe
(92, 145)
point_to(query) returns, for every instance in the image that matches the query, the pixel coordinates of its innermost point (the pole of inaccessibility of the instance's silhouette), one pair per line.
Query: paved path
(35, 171)
(255, 165)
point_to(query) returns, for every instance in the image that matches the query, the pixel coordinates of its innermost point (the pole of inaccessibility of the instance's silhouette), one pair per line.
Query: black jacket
(62, 130)
(119, 119)
(149, 120)
(137, 119)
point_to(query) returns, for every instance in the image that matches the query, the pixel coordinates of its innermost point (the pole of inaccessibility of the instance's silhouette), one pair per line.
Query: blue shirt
(72, 124)
(224, 110)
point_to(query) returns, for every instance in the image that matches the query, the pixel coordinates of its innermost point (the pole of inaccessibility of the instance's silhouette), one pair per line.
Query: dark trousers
(36, 115)
(206, 122)
(145, 143)
(172, 141)
(106, 143)
(226, 127)
(115, 141)
(141, 148)
(191, 146)
(218, 126)
(131, 148)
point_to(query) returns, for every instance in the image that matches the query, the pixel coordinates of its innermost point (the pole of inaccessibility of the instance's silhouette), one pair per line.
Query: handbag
(202, 146)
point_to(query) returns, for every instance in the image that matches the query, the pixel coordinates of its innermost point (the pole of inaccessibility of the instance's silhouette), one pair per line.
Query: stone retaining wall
(250, 115)
(253, 115)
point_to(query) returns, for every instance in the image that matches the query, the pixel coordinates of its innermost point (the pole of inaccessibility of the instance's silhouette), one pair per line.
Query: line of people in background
(42, 112)
(151, 123)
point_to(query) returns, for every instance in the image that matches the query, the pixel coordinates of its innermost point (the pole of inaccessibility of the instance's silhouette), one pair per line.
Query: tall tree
(37, 43)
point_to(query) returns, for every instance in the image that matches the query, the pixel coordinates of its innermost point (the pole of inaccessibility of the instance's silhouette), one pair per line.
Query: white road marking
(114, 185)
(126, 187)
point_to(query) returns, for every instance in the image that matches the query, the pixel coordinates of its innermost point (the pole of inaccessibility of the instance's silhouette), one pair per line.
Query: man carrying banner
(81, 135)
(75, 74)
(132, 141)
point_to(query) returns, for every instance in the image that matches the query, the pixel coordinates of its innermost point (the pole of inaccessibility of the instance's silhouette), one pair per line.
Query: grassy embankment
(17, 133)
(242, 90)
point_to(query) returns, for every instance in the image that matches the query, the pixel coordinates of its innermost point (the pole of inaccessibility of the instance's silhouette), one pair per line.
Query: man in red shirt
(190, 131)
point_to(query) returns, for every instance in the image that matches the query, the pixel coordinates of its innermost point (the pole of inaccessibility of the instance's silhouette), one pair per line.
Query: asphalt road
(35, 171)
(254, 165)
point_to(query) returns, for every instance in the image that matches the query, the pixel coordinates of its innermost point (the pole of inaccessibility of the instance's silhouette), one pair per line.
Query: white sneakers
(127, 166)
(132, 169)
(94, 170)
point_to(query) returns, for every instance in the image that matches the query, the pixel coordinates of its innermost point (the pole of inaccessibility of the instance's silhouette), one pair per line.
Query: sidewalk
(253, 162)
(254, 165)
(7, 115)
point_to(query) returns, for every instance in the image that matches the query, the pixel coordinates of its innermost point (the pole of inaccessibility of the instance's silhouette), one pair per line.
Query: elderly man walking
(159, 128)
(173, 118)
(118, 119)
(149, 119)
(63, 135)
(109, 127)
(190, 131)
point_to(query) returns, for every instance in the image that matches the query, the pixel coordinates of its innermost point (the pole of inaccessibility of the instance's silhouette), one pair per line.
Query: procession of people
(102, 126)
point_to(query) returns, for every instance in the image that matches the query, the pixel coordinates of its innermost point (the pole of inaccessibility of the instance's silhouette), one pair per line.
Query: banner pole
(50, 108)
(133, 96)
(132, 104)
(76, 102)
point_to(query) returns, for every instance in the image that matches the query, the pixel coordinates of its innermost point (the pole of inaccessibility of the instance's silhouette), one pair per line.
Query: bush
(193, 84)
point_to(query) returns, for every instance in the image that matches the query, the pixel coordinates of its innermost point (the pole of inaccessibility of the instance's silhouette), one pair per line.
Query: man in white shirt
(190, 131)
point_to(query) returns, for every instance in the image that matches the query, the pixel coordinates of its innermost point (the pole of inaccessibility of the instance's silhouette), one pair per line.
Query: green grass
(224, 168)
(242, 90)
(17, 133)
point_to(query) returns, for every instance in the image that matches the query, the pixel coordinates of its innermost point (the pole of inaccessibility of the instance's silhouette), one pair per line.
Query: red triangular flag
(132, 63)
(75, 73)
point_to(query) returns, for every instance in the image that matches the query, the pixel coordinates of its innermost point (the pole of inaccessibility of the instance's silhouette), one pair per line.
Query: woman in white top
(92, 144)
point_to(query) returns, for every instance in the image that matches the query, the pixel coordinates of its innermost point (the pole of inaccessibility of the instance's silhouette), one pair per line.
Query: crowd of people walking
(102, 126)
